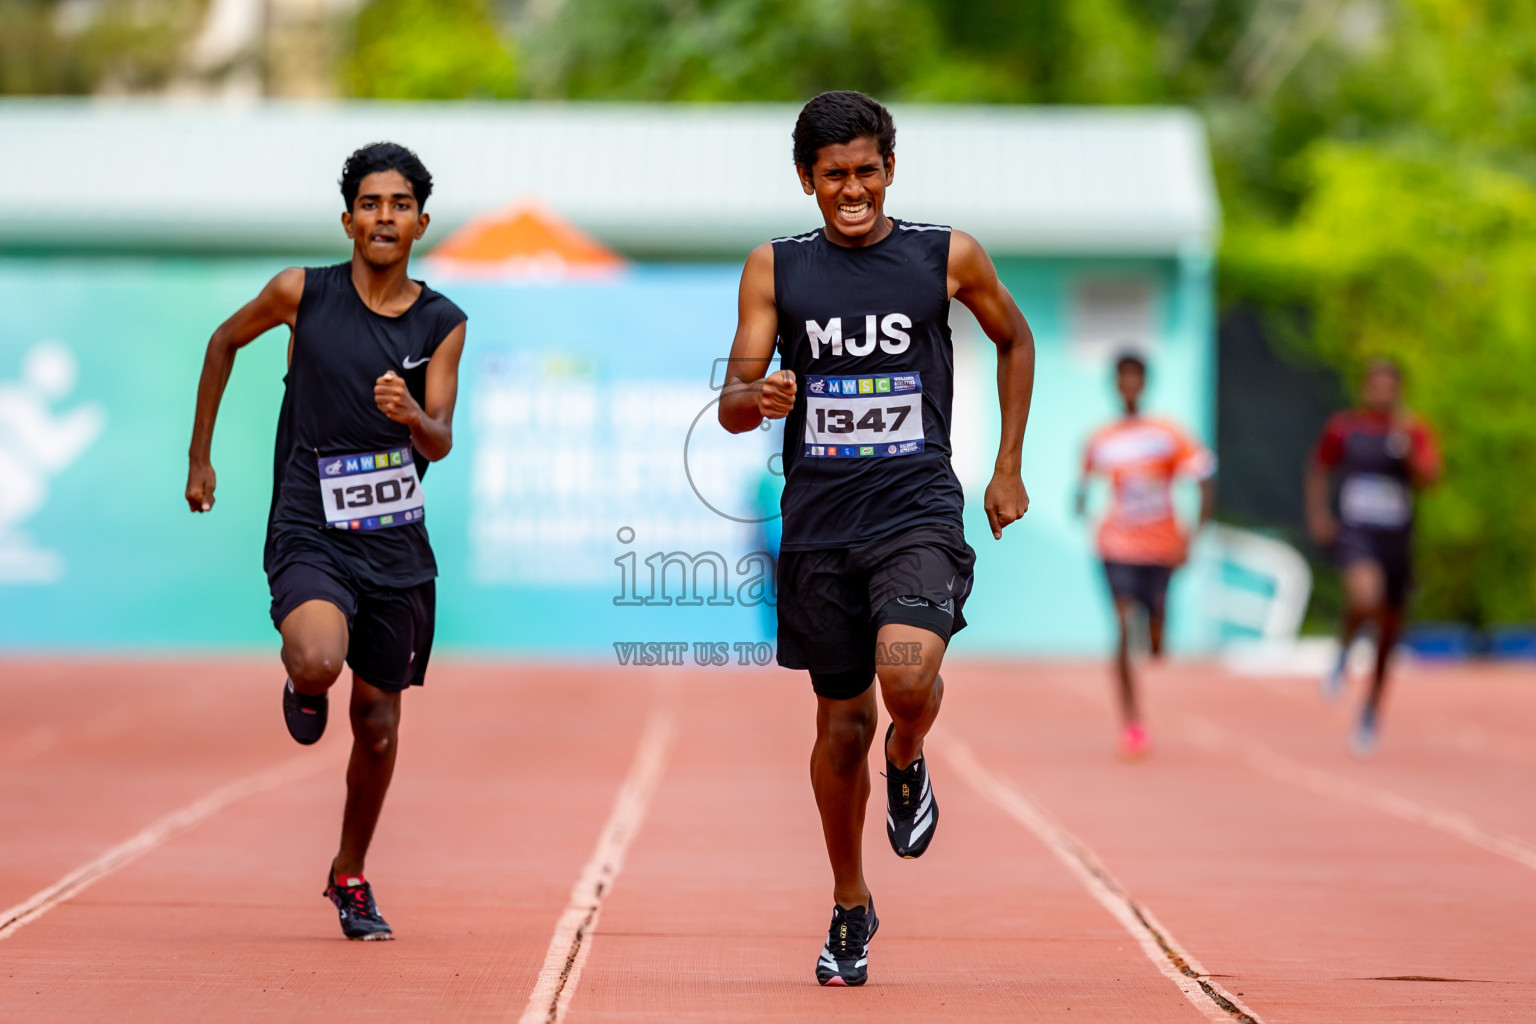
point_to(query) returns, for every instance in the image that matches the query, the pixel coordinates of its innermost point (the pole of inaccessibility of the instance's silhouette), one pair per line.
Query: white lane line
(1157, 943)
(572, 939)
(1265, 761)
(156, 834)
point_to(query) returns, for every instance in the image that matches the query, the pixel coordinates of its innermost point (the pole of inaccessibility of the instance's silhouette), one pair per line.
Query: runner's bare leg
(375, 717)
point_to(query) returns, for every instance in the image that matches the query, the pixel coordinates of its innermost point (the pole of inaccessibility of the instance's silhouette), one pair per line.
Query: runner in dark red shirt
(1381, 455)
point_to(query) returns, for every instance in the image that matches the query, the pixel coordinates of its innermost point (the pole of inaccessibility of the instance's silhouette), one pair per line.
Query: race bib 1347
(863, 417)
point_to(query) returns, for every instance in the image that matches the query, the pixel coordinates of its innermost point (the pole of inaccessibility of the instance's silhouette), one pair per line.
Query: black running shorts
(1390, 549)
(832, 603)
(391, 630)
(1147, 585)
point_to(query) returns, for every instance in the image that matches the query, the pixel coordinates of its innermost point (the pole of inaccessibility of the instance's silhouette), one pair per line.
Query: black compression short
(1147, 585)
(1392, 550)
(391, 630)
(832, 603)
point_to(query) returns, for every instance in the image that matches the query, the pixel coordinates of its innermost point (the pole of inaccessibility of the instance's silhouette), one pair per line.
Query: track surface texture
(604, 845)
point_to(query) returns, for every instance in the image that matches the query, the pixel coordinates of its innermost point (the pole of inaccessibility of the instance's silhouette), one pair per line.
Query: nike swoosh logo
(951, 584)
(420, 362)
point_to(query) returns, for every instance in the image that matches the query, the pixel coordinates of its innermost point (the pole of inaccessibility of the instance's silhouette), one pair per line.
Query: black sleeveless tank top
(340, 348)
(872, 321)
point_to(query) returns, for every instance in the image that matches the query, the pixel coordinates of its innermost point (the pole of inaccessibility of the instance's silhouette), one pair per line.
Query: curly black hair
(838, 117)
(385, 156)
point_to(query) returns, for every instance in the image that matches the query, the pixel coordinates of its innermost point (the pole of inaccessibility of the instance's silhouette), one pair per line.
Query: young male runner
(373, 362)
(1140, 540)
(874, 568)
(1382, 454)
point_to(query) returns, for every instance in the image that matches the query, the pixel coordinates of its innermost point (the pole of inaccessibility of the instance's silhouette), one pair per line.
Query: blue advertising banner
(592, 505)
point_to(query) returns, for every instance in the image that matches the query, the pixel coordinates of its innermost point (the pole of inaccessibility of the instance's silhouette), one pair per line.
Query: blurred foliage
(48, 47)
(1431, 258)
(726, 49)
(430, 50)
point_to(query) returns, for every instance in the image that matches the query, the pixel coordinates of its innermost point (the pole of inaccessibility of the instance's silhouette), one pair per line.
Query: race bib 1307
(371, 492)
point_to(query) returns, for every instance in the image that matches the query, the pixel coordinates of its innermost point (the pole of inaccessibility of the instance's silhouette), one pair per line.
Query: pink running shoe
(1134, 741)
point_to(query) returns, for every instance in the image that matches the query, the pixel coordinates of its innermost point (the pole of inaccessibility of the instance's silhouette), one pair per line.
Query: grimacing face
(849, 180)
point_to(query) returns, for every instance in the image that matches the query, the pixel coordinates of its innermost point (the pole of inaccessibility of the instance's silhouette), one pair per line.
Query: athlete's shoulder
(289, 283)
(969, 265)
(284, 292)
(1105, 430)
(1345, 422)
(758, 273)
(1168, 425)
(1101, 434)
(761, 255)
(438, 302)
(316, 281)
(441, 313)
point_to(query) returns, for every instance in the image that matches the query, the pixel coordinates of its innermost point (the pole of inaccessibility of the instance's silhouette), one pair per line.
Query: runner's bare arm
(748, 399)
(432, 427)
(1424, 466)
(277, 304)
(973, 280)
(1319, 517)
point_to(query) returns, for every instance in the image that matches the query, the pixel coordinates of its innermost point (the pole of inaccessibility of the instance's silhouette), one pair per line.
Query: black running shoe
(911, 813)
(305, 715)
(359, 914)
(844, 958)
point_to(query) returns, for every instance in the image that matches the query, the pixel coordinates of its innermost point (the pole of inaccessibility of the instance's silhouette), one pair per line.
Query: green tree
(726, 49)
(49, 48)
(430, 50)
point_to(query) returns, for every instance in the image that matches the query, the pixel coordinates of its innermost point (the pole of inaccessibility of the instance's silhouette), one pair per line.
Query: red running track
(1293, 882)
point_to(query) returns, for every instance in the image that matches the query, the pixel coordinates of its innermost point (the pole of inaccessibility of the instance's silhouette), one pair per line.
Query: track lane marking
(154, 835)
(1213, 1001)
(572, 938)
(1213, 739)
(1466, 736)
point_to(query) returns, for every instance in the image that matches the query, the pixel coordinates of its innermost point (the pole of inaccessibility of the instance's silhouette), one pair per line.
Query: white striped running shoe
(911, 813)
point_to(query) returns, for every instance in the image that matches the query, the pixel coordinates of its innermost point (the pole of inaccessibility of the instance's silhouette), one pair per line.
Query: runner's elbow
(736, 419)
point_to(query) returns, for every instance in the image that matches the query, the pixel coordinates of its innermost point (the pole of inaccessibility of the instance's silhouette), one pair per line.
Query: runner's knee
(907, 689)
(311, 664)
(846, 736)
(1363, 589)
(376, 723)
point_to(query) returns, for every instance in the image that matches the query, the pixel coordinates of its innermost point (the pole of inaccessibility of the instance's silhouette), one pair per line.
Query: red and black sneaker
(353, 897)
(304, 715)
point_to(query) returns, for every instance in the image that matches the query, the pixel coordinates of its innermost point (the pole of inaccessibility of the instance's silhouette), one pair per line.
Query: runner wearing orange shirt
(1140, 539)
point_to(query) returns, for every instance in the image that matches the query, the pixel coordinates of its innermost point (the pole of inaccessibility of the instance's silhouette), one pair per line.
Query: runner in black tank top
(876, 316)
(1381, 455)
(874, 567)
(372, 380)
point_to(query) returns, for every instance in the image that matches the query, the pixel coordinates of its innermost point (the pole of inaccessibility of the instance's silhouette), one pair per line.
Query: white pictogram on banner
(36, 444)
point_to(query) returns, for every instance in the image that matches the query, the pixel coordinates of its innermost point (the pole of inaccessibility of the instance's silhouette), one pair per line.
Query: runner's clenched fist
(394, 401)
(778, 395)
